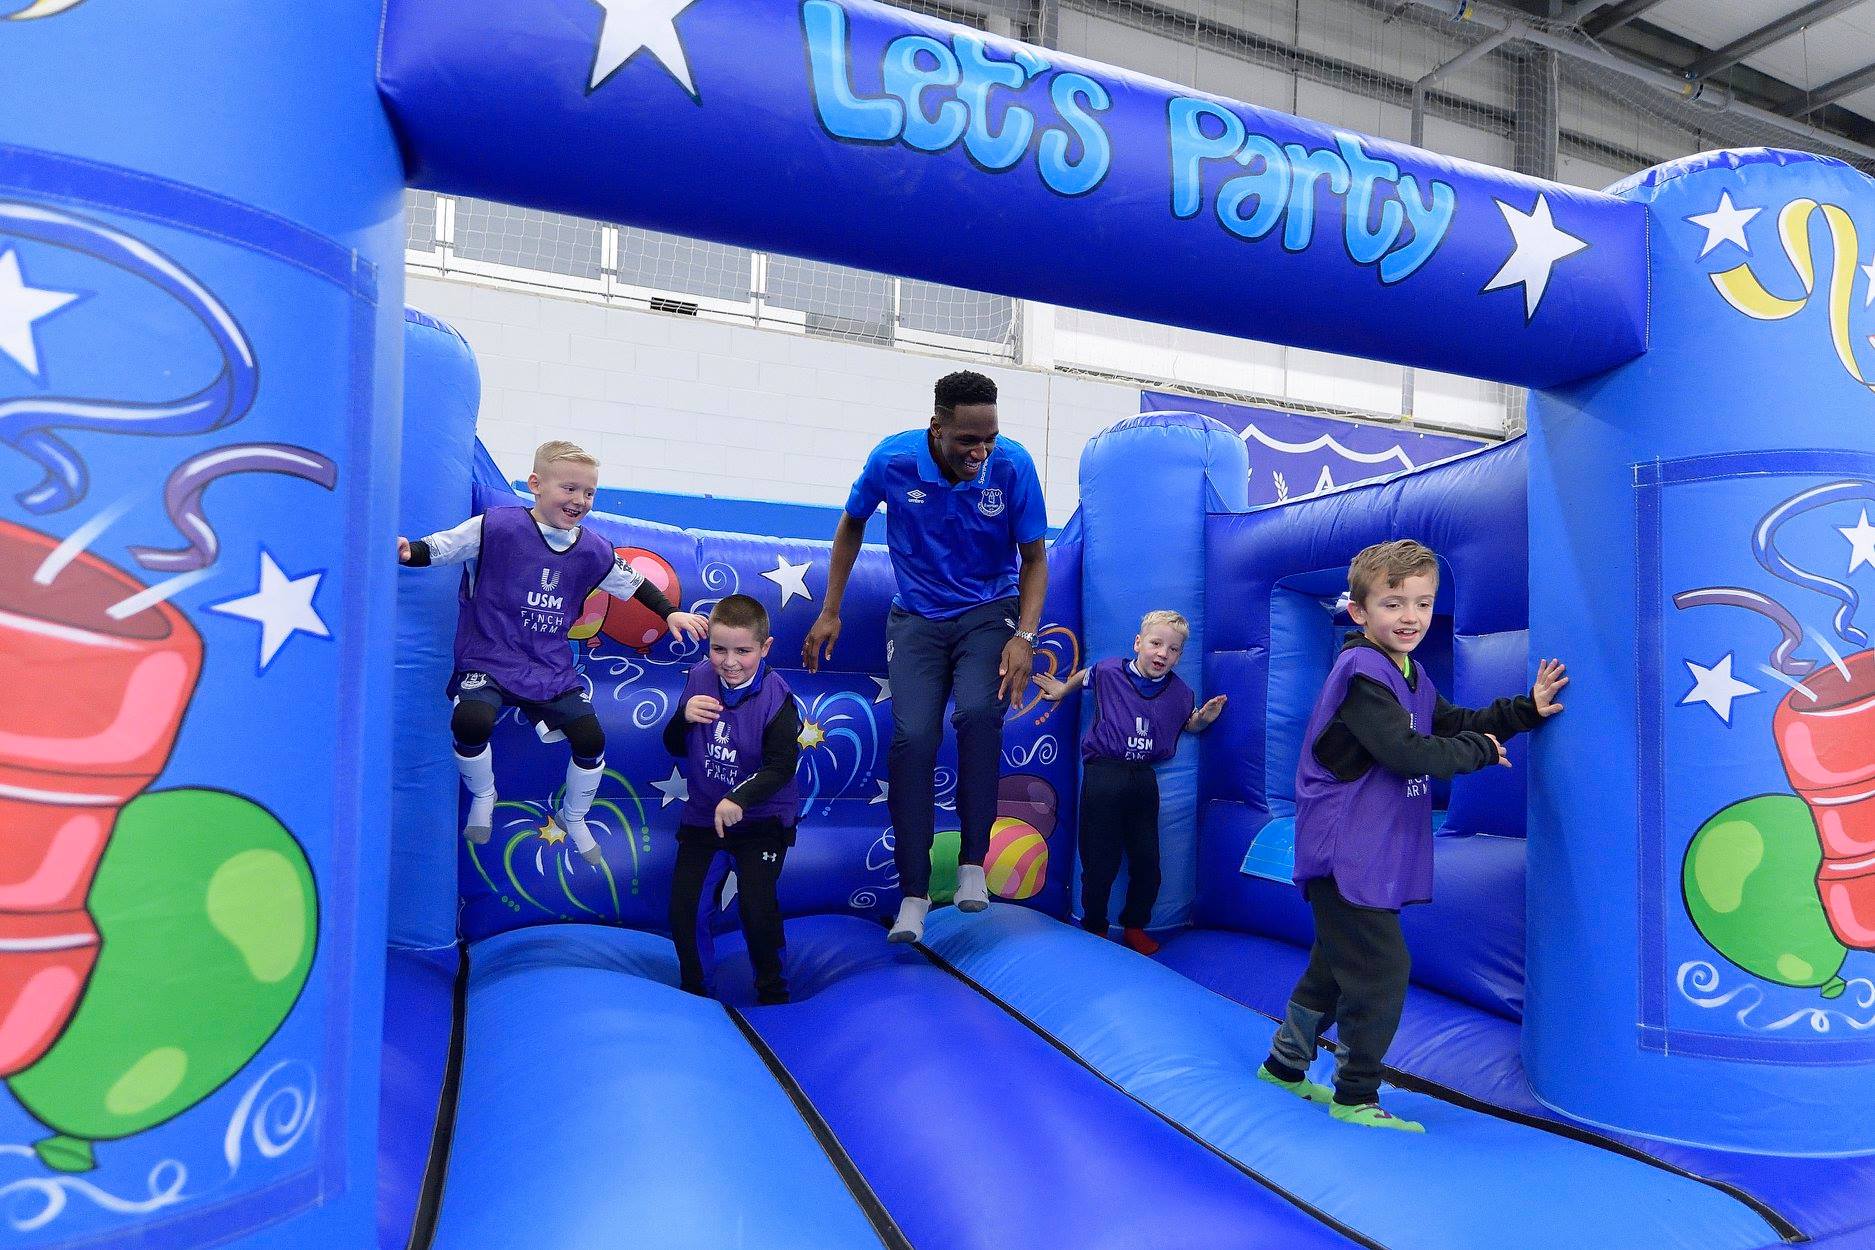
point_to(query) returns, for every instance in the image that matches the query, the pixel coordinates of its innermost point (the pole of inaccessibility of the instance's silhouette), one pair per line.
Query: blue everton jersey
(953, 544)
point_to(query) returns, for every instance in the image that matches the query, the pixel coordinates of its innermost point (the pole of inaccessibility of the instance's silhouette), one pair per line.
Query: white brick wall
(696, 407)
(679, 405)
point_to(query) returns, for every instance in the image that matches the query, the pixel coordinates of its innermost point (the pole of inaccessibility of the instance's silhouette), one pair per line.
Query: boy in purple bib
(1140, 708)
(737, 731)
(1379, 734)
(532, 570)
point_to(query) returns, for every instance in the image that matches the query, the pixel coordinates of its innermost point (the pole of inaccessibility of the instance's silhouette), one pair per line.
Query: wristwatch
(1026, 635)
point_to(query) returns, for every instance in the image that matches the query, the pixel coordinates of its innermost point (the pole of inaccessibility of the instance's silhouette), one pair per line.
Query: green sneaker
(1305, 1089)
(1371, 1115)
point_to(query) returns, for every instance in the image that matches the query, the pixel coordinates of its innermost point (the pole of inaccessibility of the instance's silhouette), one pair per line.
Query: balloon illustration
(209, 918)
(945, 846)
(631, 622)
(1017, 864)
(1750, 884)
(591, 616)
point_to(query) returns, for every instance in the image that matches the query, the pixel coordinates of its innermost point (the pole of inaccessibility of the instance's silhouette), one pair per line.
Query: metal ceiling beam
(1619, 15)
(1829, 92)
(1709, 96)
(1766, 35)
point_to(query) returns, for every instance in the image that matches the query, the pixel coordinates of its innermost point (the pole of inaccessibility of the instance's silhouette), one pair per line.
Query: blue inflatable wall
(842, 860)
(1147, 484)
(1699, 546)
(201, 254)
(1273, 577)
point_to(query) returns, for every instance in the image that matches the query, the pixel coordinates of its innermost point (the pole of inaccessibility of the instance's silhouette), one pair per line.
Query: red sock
(1139, 940)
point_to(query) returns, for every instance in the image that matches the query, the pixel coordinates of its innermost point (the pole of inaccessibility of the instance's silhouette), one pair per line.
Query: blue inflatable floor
(1472, 1180)
(1015, 1084)
(1475, 1053)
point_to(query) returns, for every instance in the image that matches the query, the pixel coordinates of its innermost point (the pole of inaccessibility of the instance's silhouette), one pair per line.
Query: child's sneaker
(583, 841)
(1372, 1115)
(1139, 940)
(1305, 1089)
(973, 889)
(909, 927)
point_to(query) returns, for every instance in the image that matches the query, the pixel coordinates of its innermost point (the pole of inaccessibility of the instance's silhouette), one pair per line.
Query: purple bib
(722, 755)
(1132, 726)
(520, 600)
(1373, 835)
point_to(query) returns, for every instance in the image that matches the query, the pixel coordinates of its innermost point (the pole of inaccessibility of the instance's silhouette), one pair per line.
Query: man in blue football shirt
(966, 528)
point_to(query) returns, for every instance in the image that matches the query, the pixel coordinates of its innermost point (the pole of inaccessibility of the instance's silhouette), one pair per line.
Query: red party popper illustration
(1827, 742)
(92, 692)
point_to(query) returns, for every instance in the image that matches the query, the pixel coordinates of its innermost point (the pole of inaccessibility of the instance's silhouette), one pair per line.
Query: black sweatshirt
(1371, 727)
(781, 753)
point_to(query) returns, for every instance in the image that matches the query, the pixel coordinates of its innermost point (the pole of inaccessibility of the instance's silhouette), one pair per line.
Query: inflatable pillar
(1702, 823)
(1146, 485)
(442, 393)
(200, 354)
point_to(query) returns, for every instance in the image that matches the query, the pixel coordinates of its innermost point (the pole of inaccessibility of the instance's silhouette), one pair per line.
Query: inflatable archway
(201, 363)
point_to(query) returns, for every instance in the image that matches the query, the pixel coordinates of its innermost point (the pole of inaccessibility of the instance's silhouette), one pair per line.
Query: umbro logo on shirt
(914, 496)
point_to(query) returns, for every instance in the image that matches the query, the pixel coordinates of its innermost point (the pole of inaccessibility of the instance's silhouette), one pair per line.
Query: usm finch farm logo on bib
(991, 502)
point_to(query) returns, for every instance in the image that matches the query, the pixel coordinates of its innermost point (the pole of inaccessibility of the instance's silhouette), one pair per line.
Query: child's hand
(728, 814)
(688, 625)
(1052, 690)
(1213, 708)
(703, 709)
(1502, 758)
(403, 550)
(1550, 677)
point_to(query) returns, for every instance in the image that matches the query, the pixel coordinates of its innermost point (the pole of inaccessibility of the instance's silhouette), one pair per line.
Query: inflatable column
(442, 393)
(1702, 822)
(200, 341)
(1146, 485)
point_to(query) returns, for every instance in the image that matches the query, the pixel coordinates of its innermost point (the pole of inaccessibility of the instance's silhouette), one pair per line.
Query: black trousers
(758, 868)
(1356, 979)
(1119, 816)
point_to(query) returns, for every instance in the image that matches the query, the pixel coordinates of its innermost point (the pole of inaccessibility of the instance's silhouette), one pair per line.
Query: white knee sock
(478, 777)
(581, 785)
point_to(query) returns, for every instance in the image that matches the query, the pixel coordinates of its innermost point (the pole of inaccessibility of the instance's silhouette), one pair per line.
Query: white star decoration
(20, 307)
(1868, 288)
(1539, 245)
(1861, 538)
(885, 689)
(283, 606)
(1724, 224)
(792, 578)
(885, 793)
(633, 26)
(674, 788)
(1716, 687)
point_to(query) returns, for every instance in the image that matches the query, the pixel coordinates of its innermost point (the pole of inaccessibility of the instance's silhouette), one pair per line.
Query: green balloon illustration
(209, 918)
(945, 847)
(1750, 883)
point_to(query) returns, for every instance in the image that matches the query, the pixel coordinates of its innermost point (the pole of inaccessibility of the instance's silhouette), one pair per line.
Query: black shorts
(555, 713)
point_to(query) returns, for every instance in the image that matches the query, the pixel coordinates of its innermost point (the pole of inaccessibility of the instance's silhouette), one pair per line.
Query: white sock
(581, 785)
(973, 888)
(909, 927)
(478, 777)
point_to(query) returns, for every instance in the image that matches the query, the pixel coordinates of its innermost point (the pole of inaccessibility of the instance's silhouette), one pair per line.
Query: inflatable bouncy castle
(256, 990)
